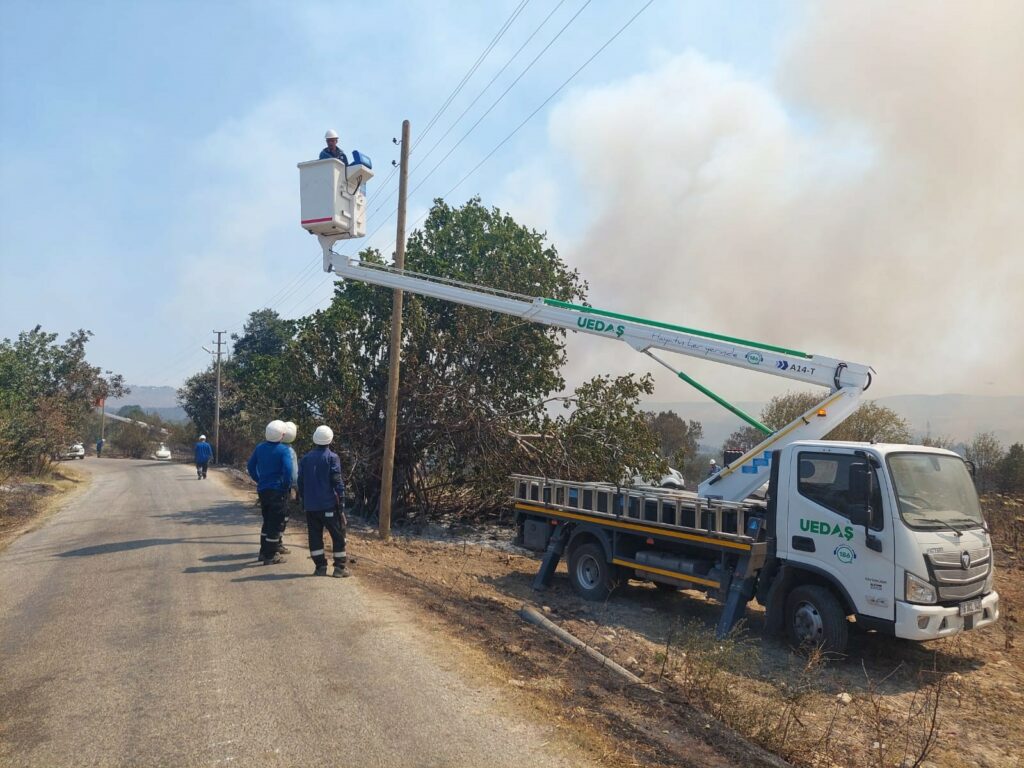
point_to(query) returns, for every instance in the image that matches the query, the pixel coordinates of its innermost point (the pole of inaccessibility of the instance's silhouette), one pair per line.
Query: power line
(544, 103)
(495, 103)
(465, 78)
(500, 71)
(515, 13)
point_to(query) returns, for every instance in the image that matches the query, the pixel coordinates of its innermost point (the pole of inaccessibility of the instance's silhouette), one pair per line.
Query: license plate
(970, 606)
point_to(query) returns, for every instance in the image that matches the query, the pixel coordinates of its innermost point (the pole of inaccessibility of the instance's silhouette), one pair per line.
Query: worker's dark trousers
(285, 519)
(334, 522)
(201, 468)
(272, 503)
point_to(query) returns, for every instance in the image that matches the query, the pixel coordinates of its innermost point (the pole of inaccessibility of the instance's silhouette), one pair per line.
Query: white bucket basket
(333, 203)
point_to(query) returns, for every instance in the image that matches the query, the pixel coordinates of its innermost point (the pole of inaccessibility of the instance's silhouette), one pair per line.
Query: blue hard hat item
(358, 158)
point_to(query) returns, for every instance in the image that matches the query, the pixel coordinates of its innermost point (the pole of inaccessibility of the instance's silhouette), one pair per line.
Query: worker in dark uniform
(271, 467)
(203, 454)
(322, 491)
(332, 150)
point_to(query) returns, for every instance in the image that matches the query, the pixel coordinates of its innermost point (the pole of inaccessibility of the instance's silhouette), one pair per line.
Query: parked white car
(163, 453)
(674, 479)
(73, 451)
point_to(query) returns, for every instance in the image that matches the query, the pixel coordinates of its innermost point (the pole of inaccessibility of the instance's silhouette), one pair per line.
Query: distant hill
(958, 417)
(146, 398)
(162, 400)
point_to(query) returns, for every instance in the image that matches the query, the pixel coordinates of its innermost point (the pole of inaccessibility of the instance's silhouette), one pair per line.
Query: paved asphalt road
(136, 629)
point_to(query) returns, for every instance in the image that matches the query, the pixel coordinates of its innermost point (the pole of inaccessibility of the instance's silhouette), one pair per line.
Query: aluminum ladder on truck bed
(733, 531)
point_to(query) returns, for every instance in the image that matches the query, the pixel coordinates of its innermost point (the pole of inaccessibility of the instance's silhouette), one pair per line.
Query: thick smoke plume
(867, 204)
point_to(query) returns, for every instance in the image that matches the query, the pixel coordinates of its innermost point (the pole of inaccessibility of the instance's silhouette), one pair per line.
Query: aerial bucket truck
(879, 537)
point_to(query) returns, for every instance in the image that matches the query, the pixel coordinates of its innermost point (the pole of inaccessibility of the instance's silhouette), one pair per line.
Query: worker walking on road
(203, 454)
(99, 447)
(290, 433)
(322, 491)
(271, 467)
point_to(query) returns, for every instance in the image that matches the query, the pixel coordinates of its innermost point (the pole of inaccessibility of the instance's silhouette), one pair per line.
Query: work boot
(321, 570)
(283, 550)
(341, 572)
(273, 559)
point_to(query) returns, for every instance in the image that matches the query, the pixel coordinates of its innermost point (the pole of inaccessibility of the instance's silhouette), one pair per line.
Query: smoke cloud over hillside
(867, 204)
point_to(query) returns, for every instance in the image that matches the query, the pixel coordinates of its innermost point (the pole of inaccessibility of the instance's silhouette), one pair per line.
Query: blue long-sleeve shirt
(337, 154)
(271, 467)
(203, 452)
(320, 483)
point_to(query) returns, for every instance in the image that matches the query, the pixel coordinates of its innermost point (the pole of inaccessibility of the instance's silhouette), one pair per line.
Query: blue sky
(148, 189)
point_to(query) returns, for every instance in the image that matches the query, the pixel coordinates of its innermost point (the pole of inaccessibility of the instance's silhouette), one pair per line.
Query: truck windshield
(934, 491)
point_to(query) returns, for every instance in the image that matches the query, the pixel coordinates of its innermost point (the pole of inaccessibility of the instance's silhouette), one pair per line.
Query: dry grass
(26, 501)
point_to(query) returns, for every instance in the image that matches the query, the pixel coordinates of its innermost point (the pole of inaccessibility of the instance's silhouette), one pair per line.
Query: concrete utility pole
(216, 409)
(216, 412)
(390, 422)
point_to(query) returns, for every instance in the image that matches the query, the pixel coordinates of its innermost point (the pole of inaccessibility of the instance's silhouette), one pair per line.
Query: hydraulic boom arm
(845, 380)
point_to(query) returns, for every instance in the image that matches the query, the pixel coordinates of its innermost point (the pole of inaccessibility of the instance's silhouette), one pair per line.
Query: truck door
(821, 535)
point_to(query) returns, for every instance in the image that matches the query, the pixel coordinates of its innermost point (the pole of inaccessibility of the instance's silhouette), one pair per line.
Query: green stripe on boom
(669, 326)
(725, 403)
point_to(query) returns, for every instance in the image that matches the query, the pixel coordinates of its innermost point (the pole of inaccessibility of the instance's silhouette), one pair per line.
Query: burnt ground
(746, 701)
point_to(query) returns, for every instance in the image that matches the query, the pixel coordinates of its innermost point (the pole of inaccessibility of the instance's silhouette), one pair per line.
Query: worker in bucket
(290, 433)
(322, 491)
(713, 468)
(203, 453)
(332, 150)
(271, 467)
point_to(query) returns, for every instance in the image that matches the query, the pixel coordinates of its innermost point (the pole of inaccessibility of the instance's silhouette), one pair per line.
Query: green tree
(238, 430)
(471, 380)
(986, 452)
(678, 440)
(47, 391)
(605, 433)
(1011, 470)
(871, 422)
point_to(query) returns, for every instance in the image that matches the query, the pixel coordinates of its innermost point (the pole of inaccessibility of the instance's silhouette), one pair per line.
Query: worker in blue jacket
(322, 490)
(271, 467)
(203, 453)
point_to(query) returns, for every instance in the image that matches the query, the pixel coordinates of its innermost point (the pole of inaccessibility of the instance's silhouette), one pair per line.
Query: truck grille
(953, 580)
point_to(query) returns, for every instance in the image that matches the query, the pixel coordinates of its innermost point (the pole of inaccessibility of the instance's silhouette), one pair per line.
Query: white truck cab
(915, 560)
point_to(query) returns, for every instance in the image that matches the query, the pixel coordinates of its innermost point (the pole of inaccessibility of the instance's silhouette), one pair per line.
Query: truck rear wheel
(589, 572)
(814, 618)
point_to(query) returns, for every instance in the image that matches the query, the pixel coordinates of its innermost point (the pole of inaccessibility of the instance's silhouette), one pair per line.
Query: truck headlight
(917, 590)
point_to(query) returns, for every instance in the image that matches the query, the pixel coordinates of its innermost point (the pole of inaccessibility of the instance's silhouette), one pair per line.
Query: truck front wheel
(589, 571)
(815, 618)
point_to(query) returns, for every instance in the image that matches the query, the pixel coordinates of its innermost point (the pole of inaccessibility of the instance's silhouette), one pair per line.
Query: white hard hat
(290, 431)
(323, 435)
(332, 134)
(275, 431)
(713, 461)
(202, 437)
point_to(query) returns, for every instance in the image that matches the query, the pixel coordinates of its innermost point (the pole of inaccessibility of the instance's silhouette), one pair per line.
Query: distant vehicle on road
(163, 453)
(72, 452)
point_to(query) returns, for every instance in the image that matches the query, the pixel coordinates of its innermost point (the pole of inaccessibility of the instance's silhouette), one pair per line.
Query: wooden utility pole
(390, 422)
(216, 412)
